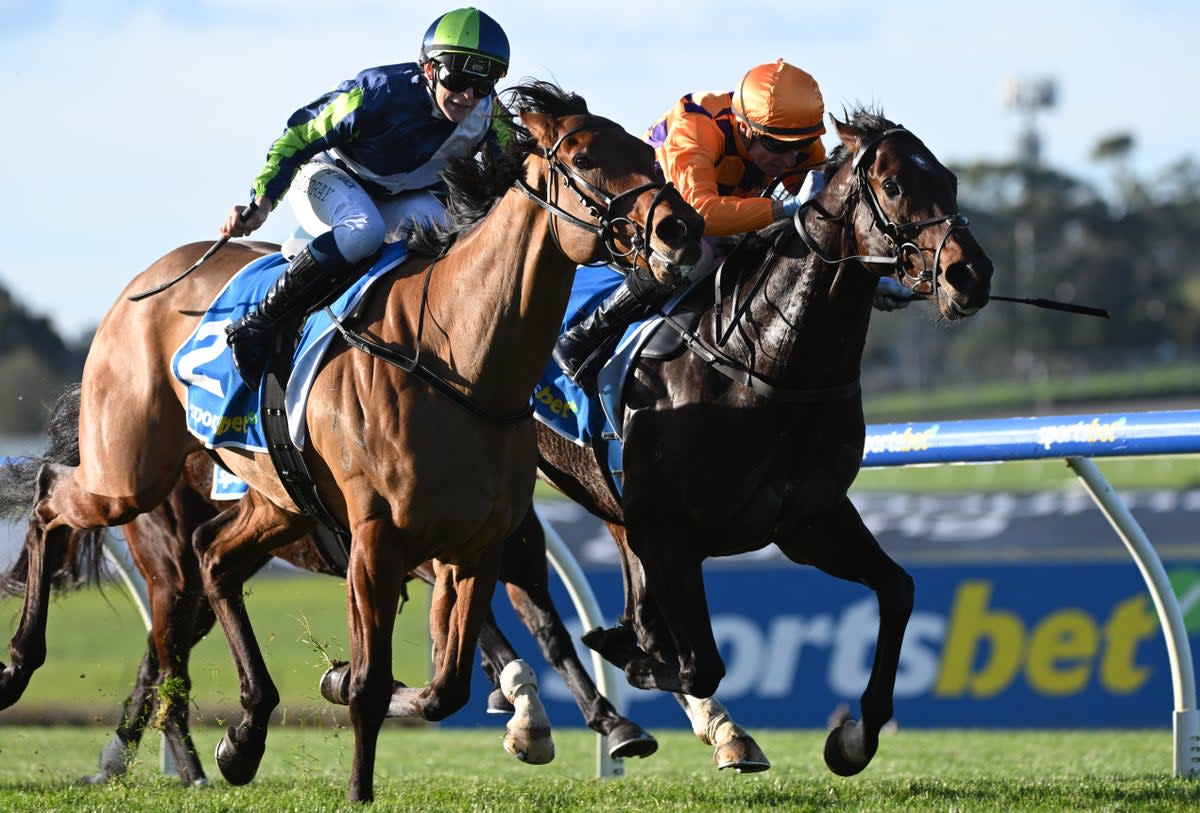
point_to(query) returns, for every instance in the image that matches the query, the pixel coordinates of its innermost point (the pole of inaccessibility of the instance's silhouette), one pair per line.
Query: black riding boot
(305, 284)
(582, 349)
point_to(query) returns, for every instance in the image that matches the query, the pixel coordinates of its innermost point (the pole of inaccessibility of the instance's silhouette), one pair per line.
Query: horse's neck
(497, 299)
(807, 325)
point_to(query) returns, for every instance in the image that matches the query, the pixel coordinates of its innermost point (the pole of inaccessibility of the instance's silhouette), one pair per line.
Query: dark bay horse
(753, 433)
(412, 474)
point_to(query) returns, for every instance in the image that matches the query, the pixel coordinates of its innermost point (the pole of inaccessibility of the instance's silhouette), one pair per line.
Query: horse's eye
(583, 161)
(891, 188)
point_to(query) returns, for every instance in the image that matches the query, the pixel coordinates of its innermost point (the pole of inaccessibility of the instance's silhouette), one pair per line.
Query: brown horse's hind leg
(841, 545)
(161, 546)
(60, 506)
(229, 548)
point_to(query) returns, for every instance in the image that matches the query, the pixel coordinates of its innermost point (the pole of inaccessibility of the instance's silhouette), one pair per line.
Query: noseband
(899, 236)
(600, 205)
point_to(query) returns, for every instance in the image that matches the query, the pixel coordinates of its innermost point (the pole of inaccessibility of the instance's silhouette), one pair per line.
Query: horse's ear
(850, 135)
(541, 125)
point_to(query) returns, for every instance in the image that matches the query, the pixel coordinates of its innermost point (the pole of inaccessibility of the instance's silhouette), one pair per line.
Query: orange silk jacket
(700, 150)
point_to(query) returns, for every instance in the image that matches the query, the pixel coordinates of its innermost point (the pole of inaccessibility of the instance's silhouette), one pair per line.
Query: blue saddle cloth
(562, 405)
(221, 409)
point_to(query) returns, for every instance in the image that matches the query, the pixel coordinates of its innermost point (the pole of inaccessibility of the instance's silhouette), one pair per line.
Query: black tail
(18, 488)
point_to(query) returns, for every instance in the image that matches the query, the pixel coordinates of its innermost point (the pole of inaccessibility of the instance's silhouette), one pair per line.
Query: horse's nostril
(671, 230)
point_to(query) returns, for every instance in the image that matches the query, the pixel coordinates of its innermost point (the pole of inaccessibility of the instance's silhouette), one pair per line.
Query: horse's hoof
(594, 638)
(498, 703)
(617, 645)
(846, 749)
(741, 754)
(335, 683)
(12, 686)
(630, 740)
(533, 746)
(644, 672)
(238, 764)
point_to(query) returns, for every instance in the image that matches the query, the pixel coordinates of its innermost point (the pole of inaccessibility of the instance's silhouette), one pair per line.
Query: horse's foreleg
(732, 746)
(671, 615)
(228, 548)
(848, 751)
(841, 545)
(374, 578)
(526, 576)
(652, 667)
(495, 652)
(461, 596)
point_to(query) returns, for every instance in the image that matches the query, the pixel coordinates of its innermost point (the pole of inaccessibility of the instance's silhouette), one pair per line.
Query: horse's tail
(18, 488)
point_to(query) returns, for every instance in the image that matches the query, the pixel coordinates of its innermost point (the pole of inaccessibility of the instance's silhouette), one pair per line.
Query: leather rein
(605, 226)
(899, 238)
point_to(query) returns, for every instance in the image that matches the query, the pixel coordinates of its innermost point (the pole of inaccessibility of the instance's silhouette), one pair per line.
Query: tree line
(1134, 250)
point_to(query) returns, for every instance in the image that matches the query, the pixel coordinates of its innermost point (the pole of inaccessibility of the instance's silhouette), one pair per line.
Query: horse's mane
(476, 183)
(870, 121)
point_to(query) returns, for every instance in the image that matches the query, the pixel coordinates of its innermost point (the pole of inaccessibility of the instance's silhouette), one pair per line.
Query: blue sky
(132, 127)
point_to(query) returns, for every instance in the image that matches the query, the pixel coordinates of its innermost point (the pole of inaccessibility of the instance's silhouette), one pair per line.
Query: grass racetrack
(429, 770)
(96, 640)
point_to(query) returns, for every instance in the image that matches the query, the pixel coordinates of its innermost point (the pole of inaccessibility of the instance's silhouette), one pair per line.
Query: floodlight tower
(1028, 97)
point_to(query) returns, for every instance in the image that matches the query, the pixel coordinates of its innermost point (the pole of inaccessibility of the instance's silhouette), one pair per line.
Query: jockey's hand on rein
(890, 295)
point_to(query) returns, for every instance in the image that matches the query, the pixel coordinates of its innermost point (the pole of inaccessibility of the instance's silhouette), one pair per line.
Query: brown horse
(159, 543)
(412, 475)
(752, 431)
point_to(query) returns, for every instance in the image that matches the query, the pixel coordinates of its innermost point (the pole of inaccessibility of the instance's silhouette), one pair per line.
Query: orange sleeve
(689, 157)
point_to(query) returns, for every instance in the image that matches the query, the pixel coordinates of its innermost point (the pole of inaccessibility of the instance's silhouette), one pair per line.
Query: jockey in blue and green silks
(362, 163)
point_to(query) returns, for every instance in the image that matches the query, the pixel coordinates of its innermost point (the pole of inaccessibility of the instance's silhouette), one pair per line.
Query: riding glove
(890, 295)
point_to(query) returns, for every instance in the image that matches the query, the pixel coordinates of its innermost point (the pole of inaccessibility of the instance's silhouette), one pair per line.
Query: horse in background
(409, 473)
(751, 431)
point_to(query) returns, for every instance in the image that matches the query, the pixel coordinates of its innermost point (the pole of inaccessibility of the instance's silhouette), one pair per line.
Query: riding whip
(1050, 304)
(1053, 305)
(249, 210)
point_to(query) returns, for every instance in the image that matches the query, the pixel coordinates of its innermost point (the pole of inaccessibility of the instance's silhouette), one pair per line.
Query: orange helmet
(781, 101)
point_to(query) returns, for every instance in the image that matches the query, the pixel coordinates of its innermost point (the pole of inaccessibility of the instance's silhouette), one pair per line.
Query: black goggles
(458, 81)
(779, 147)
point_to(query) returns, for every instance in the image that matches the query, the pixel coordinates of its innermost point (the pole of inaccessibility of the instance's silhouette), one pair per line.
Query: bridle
(898, 236)
(599, 205)
(604, 227)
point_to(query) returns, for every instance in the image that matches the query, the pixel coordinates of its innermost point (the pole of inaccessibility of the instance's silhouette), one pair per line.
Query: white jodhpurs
(326, 198)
